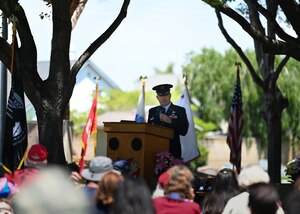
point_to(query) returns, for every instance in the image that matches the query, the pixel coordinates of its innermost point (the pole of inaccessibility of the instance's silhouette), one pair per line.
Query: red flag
(235, 126)
(90, 127)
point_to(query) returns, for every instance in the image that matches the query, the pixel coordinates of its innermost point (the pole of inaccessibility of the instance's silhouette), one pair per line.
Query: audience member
(162, 180)
(37, 156)
(122, 165)
(248, 176)
(52, 192)
(292, 204)
(225, 186)
(7, 191)
(263, 198)
(5, 207)
(36, 159)
(106, 192)
(98, 167)
(132, 197)
(178, 192)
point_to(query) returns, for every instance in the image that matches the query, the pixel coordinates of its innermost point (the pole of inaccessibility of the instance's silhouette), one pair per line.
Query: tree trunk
(50, 129)
(273, 120)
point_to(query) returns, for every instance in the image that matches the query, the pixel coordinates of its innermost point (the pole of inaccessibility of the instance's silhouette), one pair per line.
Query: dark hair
(292, 205)
(132, 197)
(224, 187)
(263, 198)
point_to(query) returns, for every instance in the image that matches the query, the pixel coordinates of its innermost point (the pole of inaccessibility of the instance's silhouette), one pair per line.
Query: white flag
(140, 112)
(189, 147)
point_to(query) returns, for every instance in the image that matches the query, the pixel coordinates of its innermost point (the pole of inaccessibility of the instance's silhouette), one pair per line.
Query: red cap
(37, 152)
(163, 179)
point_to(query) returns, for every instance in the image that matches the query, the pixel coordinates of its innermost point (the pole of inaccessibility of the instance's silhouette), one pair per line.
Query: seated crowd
(107, 187)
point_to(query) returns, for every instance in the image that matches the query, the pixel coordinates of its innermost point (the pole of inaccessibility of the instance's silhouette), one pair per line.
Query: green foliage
(202, 160)
(212, 80)
(78, 119)
(168, 70)
(289, 84)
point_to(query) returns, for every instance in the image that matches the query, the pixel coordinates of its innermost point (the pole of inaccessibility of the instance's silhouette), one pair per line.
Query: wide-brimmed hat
(98, 167)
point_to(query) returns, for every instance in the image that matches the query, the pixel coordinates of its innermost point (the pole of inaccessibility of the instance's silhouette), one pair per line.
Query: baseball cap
(38, 153)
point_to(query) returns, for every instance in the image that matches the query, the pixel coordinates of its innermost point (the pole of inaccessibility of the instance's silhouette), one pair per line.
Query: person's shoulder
(237, 203)
(153, 108)
(177, 107)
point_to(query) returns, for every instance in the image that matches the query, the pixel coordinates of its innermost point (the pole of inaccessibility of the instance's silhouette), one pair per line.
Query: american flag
(235, 126)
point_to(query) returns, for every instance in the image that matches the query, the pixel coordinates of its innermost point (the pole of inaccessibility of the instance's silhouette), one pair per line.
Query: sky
(154, 34)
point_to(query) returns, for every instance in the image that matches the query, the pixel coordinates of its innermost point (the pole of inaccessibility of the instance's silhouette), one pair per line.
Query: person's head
(122, 165)
(226, 181)
(180, 180)
(292, 205)
(225, 186)
(163, 94)
(98, 167)
(51, 192)
(37, 156)
(7, 189)
(252, 174)
(5, 207)
(132, 197)
(263, 198)
(107, 187)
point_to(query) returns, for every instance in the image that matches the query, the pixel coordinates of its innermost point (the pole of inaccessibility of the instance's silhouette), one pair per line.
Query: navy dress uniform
(178, 119)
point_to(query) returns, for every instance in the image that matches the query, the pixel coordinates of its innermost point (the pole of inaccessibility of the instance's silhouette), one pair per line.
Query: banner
(235, 126)
(90, 127)
(189, 147)
(15, 138)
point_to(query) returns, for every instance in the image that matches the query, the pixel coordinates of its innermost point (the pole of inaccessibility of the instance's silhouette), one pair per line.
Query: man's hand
(165, 118)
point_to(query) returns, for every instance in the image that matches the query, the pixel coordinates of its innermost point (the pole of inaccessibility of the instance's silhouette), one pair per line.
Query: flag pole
(140, 111)
(235, 125)
(185, 81)
(96, 119)
(3, 91)
(90, 128)
(143, 81)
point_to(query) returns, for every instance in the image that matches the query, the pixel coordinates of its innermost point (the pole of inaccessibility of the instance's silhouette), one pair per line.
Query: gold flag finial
(143, 79)
(185, 78)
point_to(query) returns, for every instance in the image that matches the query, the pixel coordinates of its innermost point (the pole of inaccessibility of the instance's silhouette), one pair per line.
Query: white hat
(98, 167)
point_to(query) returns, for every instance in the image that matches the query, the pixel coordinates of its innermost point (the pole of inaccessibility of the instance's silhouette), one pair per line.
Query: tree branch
(272, 20)
(254, 76)
(76, 11)
(269, 45)
(292, 11)
(99, 41)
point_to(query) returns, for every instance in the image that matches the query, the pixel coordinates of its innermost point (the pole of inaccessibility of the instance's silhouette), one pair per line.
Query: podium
(139, 142)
